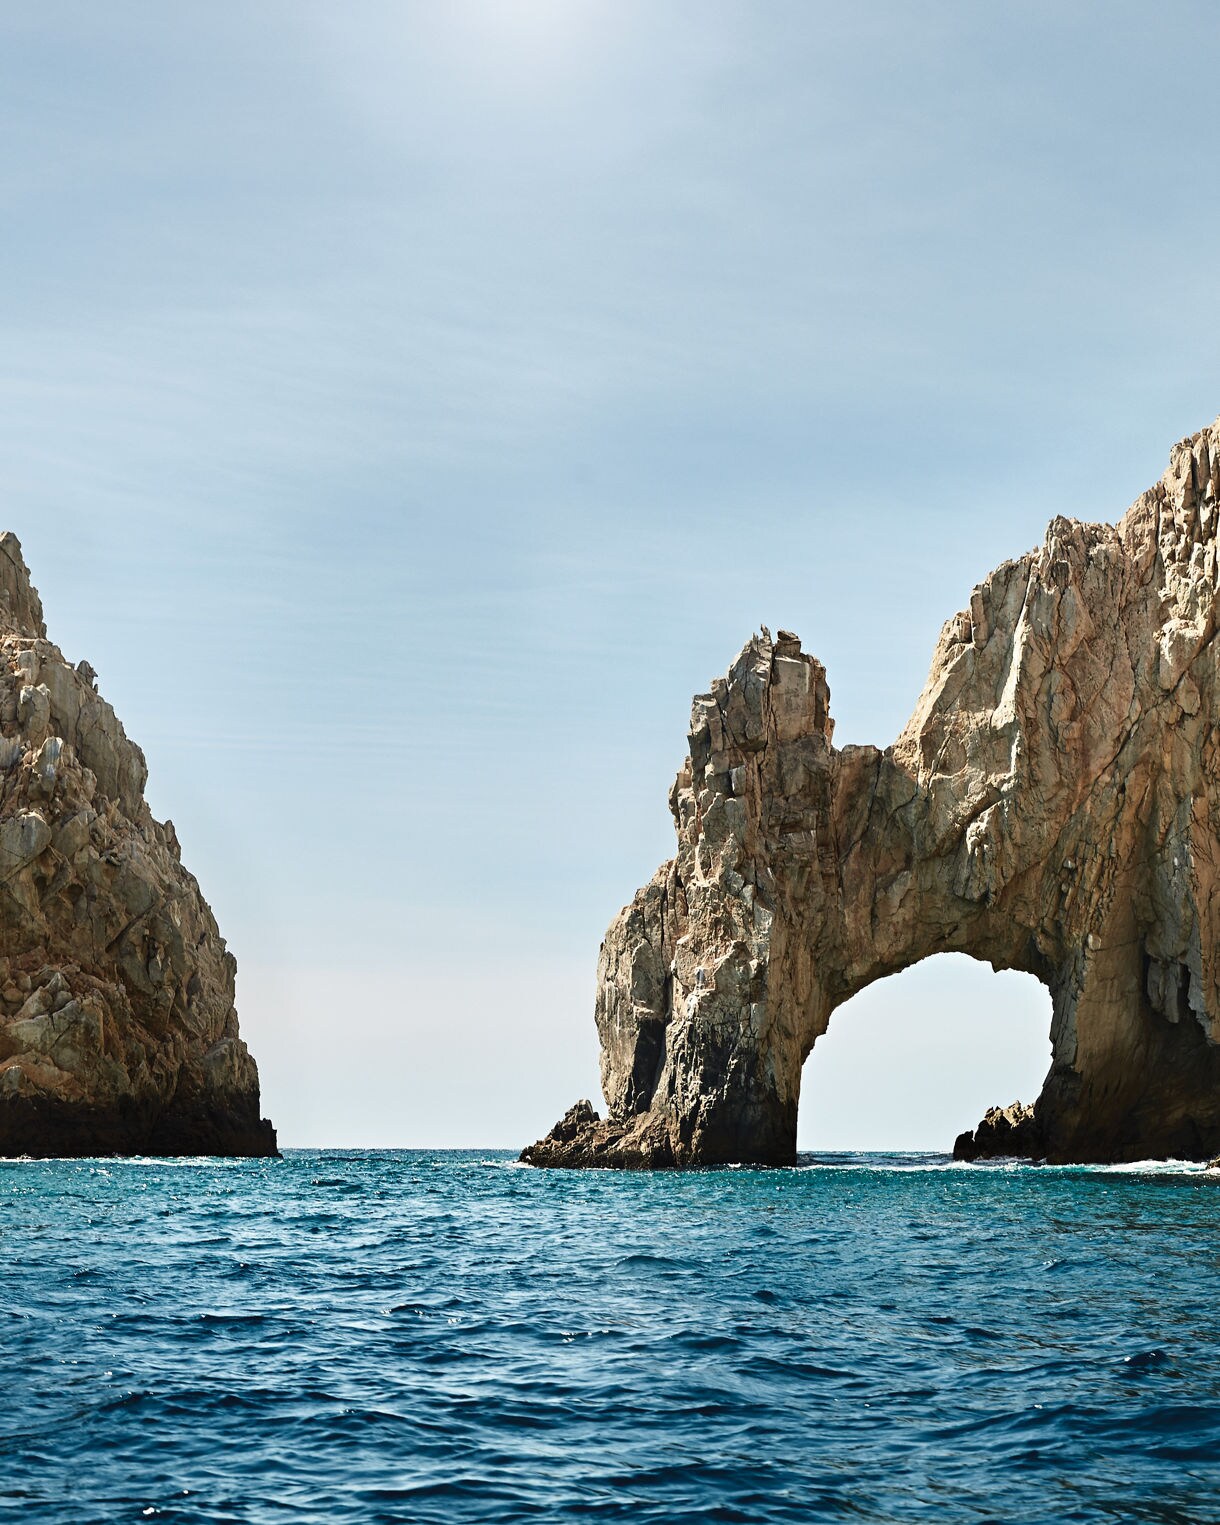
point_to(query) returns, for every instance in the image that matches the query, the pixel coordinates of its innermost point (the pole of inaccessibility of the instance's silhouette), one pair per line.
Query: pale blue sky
(407, 407)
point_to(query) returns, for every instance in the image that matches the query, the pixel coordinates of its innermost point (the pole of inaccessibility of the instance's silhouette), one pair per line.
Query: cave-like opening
(916, 1058)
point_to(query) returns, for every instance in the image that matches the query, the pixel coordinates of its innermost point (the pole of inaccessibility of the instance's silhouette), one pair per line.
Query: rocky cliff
(117, 1027)
(1053, 805)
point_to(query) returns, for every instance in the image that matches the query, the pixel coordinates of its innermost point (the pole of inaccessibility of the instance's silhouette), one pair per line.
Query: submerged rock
(118, 1033)
(1053, 806)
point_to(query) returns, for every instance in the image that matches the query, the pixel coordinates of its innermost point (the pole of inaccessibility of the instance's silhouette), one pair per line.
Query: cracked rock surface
(1053, 806)
(118, 1033)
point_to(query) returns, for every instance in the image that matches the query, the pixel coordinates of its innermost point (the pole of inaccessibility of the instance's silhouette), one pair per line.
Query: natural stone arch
(917, 1056)
(1052, 806)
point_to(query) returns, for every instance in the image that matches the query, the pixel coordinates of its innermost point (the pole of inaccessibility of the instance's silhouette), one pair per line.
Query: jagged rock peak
(1052, 805)
(20, 606)
(118, 1032)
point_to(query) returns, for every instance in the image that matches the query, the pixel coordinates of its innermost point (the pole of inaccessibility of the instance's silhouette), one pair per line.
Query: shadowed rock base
(583, 1140)
(41, 1128)
(1052, 806)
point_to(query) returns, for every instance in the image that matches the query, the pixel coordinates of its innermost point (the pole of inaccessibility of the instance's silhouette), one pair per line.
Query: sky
(407, 407)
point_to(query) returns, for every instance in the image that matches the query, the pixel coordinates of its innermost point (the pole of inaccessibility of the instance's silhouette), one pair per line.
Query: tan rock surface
(1053, 806)
(118, 1032)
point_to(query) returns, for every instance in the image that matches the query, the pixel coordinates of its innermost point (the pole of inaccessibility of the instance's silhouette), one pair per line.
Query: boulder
(1005, 1133)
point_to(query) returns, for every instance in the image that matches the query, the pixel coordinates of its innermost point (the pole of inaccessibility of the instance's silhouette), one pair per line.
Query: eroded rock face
(1053, 805)
(117, 1027)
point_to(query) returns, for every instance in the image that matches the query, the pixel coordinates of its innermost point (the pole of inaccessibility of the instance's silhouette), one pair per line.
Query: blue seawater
(418, 1337)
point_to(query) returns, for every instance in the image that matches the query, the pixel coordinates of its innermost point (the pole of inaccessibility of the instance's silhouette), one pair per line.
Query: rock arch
(921, 1054)
(1053, 806)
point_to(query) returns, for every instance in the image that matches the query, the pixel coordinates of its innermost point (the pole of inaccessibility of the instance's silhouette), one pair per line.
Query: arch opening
(916, 1058)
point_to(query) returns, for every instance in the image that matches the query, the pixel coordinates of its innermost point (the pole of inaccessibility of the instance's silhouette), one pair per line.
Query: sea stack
(1053, 806)
(118, 1033)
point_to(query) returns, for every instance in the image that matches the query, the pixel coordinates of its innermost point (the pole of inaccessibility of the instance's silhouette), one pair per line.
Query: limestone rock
(1053, 806)
(117, 1027)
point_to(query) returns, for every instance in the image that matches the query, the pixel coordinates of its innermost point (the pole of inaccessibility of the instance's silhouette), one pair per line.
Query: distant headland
(1053, 806)
(118, 1033)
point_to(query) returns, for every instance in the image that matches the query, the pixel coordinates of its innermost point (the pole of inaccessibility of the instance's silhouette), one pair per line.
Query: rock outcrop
(118, 1033)
(1053, 806)
(1005, 1133)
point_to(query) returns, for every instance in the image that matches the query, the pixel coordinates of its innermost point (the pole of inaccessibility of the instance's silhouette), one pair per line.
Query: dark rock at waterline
(46, 1128)
(1005, 1133)
(582, 1140)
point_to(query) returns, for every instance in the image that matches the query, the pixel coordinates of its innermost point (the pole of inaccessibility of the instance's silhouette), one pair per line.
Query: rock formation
(117, 1028)
(1053, 805)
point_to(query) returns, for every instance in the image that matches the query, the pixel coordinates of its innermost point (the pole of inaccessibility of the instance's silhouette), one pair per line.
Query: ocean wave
(890, 1337)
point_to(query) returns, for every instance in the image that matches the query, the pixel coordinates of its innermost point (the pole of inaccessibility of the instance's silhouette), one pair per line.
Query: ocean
(417, 1337)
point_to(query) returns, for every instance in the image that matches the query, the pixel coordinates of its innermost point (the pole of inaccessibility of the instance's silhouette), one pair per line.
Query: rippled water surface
(448, 1337)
